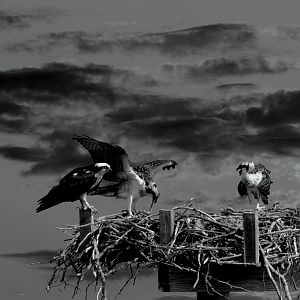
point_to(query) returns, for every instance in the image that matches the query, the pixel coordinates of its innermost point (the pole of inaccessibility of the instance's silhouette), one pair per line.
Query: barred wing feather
(150, 169)
(111, 154)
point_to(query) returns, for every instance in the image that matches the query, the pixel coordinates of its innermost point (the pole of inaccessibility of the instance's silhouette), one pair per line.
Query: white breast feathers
(253, 179)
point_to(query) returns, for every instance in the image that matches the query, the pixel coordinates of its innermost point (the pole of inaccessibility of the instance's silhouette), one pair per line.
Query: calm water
(21, 279)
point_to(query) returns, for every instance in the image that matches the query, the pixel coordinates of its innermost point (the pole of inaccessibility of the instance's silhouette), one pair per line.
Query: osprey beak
(239, 167)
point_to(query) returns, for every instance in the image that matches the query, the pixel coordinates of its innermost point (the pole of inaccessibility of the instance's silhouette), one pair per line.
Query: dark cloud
(239, 85)
(192, 40)
(9, 107)
(10, 19)
(13, 115)
(56, 79)
(62, 154)
(145, 107)
(211, 130)
(281, 107)
(14, 20)
(225, 66)
(216, 131)
(59, 154)
(60, 83)
(23, 153)
(180, 42)
(13, 125)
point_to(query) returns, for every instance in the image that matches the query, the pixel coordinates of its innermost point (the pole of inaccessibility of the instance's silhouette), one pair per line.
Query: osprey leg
(257, 206)
(134, 202)
(130, 205)
(250, 198)
(86, 205)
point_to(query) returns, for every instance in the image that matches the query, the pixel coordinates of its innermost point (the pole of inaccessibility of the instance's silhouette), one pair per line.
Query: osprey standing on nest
(124, 181)
(255, 182)
(75, 186)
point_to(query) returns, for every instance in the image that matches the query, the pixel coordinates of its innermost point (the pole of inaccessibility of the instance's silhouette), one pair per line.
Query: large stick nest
(117, 242)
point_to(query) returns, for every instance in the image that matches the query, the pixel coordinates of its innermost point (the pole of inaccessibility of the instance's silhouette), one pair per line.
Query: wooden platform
(249, 277)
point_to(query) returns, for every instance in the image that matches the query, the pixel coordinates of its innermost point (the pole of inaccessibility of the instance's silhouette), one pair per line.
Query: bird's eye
(154, 184)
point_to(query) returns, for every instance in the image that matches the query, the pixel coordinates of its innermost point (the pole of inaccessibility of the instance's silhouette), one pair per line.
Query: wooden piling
(251, 237)
(249, 275)
(166, 229)
(85, 217)
(298, 226)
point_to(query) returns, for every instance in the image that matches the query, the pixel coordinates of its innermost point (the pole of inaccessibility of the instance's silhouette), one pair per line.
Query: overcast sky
(206, 83)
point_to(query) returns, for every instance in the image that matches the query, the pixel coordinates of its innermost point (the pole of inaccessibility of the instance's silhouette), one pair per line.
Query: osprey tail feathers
(264, 199)
(54, 197)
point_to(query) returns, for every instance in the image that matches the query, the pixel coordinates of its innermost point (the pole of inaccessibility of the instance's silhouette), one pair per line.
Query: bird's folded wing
(151, 168)
(242, 189)
(264, 185)
(111, 154)
(78, 177)
(261, 168)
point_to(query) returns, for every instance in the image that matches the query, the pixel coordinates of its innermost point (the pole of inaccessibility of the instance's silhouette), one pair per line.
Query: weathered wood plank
(166, 228)
(253, 278)
(85, 217)
(251, 237)
(298, 225)
(166, 225)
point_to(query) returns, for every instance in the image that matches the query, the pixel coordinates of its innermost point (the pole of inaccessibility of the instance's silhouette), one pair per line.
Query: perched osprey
(255, 182)
(124, 181)
(75, 186)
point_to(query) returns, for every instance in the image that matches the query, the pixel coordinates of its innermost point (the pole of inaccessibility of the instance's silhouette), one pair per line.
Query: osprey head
(102, 167)
(151, 188)
(248, 166)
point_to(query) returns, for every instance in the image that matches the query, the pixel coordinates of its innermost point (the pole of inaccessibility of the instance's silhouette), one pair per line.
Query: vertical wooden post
(85, 217)
(251, 237)
(298, 226)
(166, 229)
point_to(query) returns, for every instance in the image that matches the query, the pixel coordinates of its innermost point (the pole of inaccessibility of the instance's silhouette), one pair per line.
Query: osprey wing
(150, 169)
(69, 189)
(261, 168)
(79, 178)
(242, 189)
(111, 154)
(264, 188)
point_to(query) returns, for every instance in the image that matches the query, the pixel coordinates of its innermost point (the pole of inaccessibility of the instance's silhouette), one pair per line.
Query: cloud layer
(179, 43)
(59, 100)
(137, 108)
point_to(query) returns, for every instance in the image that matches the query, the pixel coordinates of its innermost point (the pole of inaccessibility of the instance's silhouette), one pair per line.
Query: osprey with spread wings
(124, 181)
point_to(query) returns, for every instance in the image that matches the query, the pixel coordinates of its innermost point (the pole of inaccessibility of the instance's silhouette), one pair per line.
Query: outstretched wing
(111, 154)
(150, 169)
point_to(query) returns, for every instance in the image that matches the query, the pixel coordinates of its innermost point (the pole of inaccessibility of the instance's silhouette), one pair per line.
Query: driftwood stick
(267, 264)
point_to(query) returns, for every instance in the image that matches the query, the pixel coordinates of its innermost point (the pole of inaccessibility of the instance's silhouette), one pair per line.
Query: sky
(206, 83)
